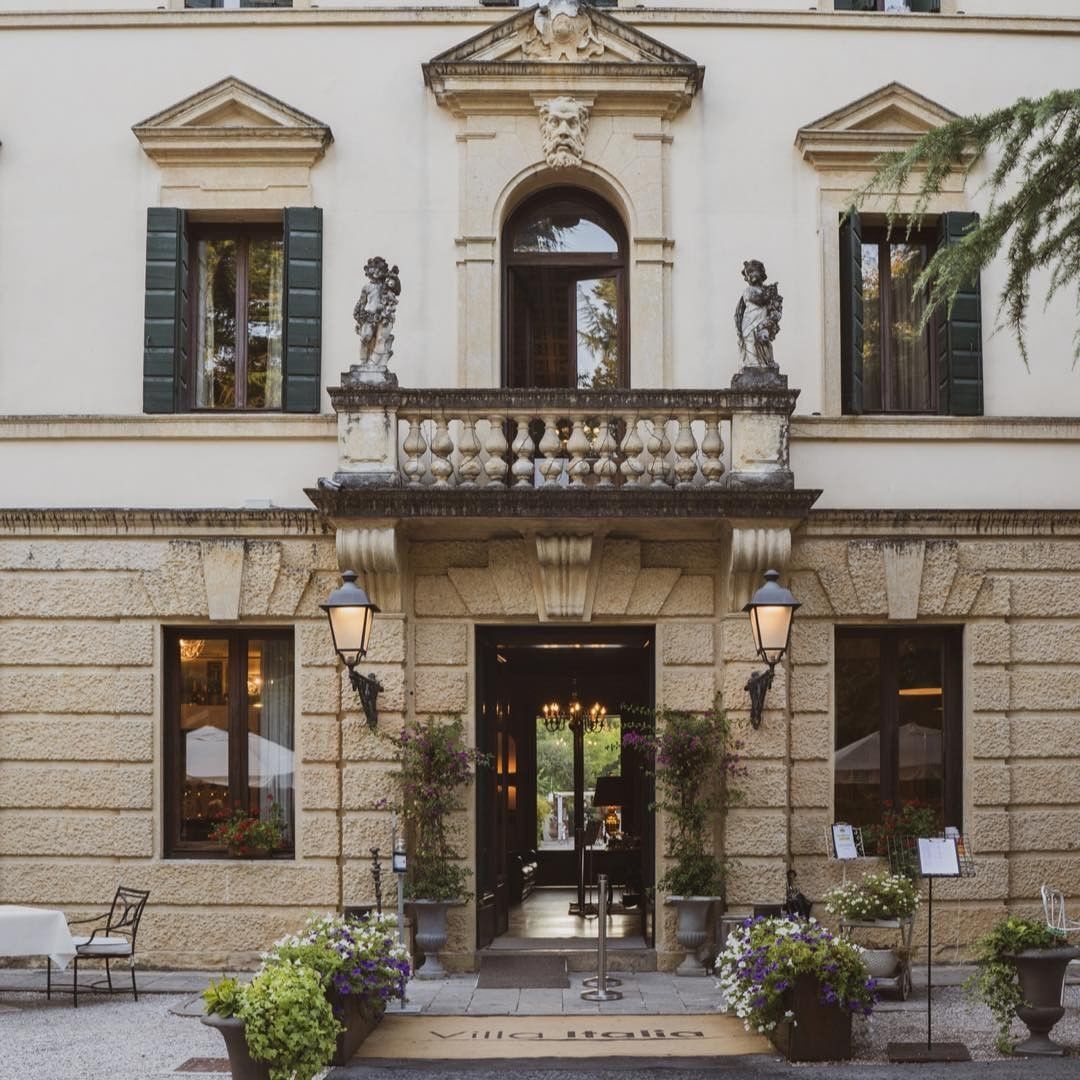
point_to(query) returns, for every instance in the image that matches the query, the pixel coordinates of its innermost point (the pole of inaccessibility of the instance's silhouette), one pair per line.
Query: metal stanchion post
(398, 864)
(594, 980)
(601, 993)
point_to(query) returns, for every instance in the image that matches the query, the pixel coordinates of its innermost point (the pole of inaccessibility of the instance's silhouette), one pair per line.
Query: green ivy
(995, 982)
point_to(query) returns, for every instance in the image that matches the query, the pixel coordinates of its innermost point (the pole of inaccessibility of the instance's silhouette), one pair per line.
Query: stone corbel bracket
(755, 549)
(566, 572)
(377, 555)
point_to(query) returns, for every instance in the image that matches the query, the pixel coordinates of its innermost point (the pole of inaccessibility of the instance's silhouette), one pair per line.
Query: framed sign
(938, 856)
(843, 838)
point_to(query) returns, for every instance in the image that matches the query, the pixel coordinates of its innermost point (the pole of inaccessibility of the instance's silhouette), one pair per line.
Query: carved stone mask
(564, 123)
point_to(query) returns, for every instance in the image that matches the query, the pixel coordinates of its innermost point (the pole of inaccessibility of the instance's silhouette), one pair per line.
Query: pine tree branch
(1034, 209)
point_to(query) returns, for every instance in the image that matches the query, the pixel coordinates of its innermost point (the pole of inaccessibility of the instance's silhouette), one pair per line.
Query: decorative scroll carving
(376, 556)
(564, 574)
(753, 551)
(561, 30)
(564, 123)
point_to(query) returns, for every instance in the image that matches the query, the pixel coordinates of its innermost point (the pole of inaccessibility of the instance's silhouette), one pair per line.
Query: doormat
(522, 973)
(488, 1038)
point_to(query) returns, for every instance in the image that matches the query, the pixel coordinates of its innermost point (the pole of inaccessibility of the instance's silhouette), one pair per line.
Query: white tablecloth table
(27, 931)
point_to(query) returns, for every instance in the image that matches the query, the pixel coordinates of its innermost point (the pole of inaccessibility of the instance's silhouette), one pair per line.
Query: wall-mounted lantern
(771, 611)
(352, 615)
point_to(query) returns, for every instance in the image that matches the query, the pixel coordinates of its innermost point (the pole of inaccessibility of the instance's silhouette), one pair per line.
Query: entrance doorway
(564, 800)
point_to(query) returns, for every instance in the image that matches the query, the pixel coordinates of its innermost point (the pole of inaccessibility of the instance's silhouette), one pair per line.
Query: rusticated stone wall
(83, 600)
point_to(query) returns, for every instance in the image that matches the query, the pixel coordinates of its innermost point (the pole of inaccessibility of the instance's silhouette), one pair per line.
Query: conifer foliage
(1034, 201)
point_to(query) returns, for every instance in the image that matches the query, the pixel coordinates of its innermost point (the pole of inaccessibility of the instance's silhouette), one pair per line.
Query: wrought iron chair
(117, 936)
(1057, 919)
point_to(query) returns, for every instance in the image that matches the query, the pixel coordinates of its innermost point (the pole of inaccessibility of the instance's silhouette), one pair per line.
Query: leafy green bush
(223, 998)
(995, 983)
(288, 1022)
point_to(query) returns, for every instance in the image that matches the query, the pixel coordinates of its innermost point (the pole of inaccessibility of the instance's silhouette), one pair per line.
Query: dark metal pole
(376, 873)
(929, 958)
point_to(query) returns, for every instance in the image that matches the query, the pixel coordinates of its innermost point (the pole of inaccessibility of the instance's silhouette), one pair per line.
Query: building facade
(191, 449)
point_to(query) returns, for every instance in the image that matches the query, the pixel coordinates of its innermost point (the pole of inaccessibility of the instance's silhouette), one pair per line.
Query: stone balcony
(632, 453)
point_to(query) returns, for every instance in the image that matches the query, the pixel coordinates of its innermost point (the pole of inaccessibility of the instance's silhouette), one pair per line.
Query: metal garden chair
(1057, 919)
(115, 939)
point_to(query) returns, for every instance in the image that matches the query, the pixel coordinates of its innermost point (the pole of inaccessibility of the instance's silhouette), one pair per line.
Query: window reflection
(564, 227)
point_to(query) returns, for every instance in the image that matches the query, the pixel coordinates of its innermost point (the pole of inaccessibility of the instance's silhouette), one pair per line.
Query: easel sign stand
(845, 844)
(937, 857)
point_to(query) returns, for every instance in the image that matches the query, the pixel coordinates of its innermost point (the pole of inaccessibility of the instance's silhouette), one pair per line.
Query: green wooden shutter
(851, 315)
(165, 337)
(203, 4)
(854, 5)
(302, 317)
(959, 336)
(931, 6)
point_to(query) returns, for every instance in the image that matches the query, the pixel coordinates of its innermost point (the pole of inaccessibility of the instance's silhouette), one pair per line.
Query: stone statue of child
(375, 313)
(757, 318)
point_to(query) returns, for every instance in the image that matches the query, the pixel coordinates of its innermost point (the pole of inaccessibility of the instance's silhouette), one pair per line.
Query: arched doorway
(566, 316)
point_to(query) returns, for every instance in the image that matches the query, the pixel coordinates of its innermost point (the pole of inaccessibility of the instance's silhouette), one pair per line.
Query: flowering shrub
(694, 760)
(435, 765)
(288, 1023)
(351, 956)
(246, 833)
(763, 958)
(877, 896)
(914, 818)
(994, 982)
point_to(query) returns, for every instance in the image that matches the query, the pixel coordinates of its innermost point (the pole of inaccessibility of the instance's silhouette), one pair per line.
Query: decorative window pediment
(233, 146)
(558, 46)
(853, 137)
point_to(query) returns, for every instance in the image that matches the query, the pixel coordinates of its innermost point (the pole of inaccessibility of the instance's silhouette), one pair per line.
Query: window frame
(952, 717)
(577, 265)
(883, 238)
(245, 232)
(173, 783)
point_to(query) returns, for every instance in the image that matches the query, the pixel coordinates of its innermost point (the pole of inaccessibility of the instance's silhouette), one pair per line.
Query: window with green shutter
(233, 314)
(193, 4)
(890, 363)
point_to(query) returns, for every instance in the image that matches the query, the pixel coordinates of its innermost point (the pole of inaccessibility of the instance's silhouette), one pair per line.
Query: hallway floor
(544, 921)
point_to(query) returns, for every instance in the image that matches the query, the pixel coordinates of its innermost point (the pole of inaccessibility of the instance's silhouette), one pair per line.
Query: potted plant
(876, 900)
(912, 819)
(362, 967)
(277, 1027)
(694, 761)
(249, 835)
(1021, 971)
(435, 765)
(794, 981)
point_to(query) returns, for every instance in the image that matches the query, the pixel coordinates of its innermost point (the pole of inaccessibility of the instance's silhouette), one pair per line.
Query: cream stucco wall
(76, 185)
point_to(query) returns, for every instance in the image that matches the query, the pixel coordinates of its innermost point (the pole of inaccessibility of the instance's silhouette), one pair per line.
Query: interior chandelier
(554, 717)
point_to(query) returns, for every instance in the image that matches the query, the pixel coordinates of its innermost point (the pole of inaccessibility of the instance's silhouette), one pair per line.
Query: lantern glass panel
(351, 627)
(771, 625)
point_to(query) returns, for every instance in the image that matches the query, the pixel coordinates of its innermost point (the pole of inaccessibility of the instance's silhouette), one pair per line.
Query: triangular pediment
(888, 120)
(551, 46)
(231, 114)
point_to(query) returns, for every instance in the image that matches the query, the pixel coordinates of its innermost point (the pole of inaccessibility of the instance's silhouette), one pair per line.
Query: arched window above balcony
(566, 306)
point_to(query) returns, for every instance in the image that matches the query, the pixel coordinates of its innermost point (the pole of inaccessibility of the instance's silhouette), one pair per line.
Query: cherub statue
(757, 317)
(375, 312)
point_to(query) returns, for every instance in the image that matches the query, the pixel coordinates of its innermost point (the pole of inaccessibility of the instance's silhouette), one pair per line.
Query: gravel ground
(955, 1019)
(101, 1040)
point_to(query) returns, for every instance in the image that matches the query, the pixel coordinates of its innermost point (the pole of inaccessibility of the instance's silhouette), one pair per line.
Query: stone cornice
(508, 401)
(539, 505)
(935, 428)
(479, 16)
(971, 524)
(191, 426)
(161, 522)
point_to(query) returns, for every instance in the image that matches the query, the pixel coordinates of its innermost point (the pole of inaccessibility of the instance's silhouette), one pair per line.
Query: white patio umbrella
(920, 756)
(208, 757)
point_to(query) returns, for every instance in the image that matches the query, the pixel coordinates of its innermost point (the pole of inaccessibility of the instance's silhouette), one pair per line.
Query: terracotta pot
(691, 930)
(820, 1032)
(1042, 979)
(241, 1064)
(431, 934)
(359, 1018)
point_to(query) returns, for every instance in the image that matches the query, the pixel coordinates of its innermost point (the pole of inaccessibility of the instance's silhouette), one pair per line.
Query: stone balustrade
(572, 439)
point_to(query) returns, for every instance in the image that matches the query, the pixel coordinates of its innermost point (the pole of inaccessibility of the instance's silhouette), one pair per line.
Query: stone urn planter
(881, 963)
(818, 1032)
(242, 1065)
(431, 934)
(691, 930)
(359, 1018)
(1042, 979)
